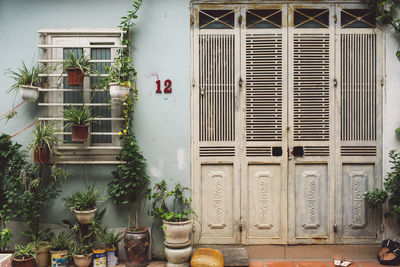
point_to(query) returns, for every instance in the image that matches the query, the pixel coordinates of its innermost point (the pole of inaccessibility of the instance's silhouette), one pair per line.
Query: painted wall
(161, 47)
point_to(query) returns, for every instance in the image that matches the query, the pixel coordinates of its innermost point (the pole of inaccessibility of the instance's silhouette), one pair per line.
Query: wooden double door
(286, 108)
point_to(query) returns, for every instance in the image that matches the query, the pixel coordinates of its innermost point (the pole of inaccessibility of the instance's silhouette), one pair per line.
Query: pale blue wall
(161, 45)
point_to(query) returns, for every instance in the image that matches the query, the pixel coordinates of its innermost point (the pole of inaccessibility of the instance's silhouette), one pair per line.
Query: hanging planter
(29, 93)
(118, 92)
(79, 132)
(41, 154)
(75, 77)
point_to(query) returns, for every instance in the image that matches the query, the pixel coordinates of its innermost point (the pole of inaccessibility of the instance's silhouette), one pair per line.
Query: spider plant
(83, 201)
(82, 63)
(111, 239)
(25, 76)
(77, 115)
(44, 136)
(25, 252)
(60, 242)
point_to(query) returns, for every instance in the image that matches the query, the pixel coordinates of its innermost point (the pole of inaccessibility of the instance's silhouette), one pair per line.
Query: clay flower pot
(85, 216)
(29, 262)
(43, 256)
(79, 132)
(83, 260)
(177, 232)
(75, 77)
(29, 93)
(137, 245)
(41, 154)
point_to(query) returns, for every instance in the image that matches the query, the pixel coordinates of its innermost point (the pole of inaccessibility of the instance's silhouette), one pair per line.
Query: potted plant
(59, 248)
(121, 77)
(76, 68)
(41, 244)
(111, 240)
(78, 119)
(24, 256)
(177, 220)
(44, 141)
(28, 81)
(83, 204)
(82, 253)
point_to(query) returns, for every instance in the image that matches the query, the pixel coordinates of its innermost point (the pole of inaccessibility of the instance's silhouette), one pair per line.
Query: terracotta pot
(29, 262)
(83, 260)
(29, 93)
(85, 216)
(59, 258)
(79, 132)
(177, 232)
(118, 92)
(75, 77)
(43, 256)
(137, 245)
(41, 154)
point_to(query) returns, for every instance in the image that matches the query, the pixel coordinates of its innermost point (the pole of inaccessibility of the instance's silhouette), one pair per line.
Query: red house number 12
(167, 88)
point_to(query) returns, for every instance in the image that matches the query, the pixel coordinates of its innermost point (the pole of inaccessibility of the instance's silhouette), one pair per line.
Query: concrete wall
(161, 46)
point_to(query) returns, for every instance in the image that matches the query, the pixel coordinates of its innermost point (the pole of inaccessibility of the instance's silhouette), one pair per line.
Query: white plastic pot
(29, 93)
(118, 92)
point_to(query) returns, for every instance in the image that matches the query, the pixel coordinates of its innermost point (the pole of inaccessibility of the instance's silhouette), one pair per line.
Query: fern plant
(111, 239)
(44, 136)
(25, 252)
(83, 201)
(82, 63)
(78, 115)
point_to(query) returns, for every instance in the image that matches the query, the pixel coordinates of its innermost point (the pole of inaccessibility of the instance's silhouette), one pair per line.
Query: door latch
(335, 228)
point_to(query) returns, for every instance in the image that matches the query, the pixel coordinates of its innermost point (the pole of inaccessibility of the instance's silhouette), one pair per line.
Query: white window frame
(51, 47)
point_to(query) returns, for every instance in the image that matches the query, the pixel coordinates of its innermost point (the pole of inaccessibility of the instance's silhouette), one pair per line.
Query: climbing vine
(130, 180)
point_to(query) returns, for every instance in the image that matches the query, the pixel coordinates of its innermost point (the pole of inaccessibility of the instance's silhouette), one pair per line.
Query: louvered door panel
(311, 87)
(216, 82)
(263, 87)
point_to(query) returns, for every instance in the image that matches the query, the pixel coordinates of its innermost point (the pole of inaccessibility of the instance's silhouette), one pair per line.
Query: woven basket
(207, 257)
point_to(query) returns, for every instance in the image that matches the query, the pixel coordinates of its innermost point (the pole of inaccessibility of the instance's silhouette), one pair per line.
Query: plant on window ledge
(76, 68)
(27, 81)
(78, 118)
(391, 192)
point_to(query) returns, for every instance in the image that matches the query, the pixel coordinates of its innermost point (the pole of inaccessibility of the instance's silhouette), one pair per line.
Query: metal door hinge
(240, 20)
(191, 20)
(335, 228)
(382, 82)
(240, 82)
(335, 82)
(382, 228)
(240, 227)
(335, 18)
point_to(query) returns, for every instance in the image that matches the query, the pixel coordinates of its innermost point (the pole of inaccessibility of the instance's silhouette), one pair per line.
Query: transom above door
(286, 108)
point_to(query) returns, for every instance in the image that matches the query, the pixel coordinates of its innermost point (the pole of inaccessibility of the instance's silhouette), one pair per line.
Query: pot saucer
(178, 245)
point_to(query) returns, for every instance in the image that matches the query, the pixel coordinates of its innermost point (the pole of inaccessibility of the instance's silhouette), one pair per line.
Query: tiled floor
(302, 263)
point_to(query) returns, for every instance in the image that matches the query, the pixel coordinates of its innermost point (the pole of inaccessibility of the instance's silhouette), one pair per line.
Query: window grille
(101, 46)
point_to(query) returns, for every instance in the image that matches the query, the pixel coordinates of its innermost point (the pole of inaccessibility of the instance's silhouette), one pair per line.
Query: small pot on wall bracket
(118, 92)
(29, 93)
(79, 132)
(75, 77)
(137, 245)
(85, 216)
(41, 154)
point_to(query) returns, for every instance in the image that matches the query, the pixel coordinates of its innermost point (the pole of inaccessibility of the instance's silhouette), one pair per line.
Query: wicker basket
(207, 257)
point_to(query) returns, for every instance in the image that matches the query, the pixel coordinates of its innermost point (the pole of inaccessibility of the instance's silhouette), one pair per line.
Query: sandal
(346, 262)
(337, 260)
(391, 258)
